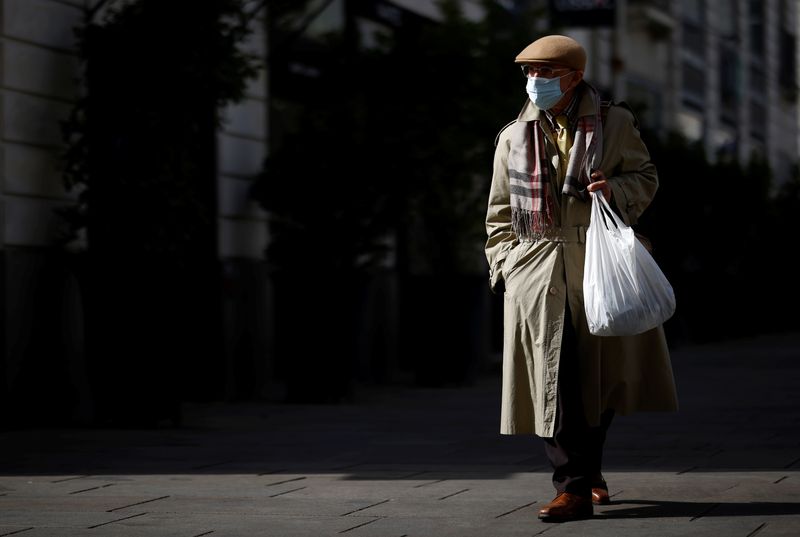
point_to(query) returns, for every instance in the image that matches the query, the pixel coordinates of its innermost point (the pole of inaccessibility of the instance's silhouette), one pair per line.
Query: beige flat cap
(556, 49)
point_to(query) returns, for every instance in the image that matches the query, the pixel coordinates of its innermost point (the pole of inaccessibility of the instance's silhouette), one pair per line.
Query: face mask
(545, 92)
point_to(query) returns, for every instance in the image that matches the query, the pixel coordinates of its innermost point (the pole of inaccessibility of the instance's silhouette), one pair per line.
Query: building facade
(723, 72)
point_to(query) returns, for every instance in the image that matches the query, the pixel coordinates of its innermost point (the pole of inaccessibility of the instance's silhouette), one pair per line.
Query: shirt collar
(571, 110)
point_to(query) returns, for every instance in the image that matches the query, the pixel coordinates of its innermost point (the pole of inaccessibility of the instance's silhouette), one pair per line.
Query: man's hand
(599, 182)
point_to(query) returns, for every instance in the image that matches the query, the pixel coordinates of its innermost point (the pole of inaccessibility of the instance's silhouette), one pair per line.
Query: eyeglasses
(543, 71)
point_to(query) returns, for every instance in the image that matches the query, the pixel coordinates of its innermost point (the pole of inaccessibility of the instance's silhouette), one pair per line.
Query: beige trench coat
(627, 374)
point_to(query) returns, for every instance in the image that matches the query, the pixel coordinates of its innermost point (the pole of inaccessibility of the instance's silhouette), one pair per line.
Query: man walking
(559, 381)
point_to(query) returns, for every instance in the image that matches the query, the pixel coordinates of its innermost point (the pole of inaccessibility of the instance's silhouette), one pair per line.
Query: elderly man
(559, 381)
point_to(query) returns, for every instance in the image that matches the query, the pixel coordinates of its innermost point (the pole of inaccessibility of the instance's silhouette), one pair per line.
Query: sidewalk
(425, 463)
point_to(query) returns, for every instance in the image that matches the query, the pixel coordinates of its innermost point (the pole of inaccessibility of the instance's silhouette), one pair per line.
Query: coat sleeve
(632, 176)
(501, 238)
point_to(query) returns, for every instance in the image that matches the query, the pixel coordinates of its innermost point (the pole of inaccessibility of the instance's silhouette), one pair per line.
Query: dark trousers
(576, 450)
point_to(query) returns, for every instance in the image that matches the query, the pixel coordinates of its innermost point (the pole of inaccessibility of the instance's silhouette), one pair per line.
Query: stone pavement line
(16, 531)
(70, 478)
(792, 463)
(361, 525)
(758, 529)
(453, 494)
(286, 492)
(115, 521)
(516, 509)
(137, 503)
(285, 481)
(364, 508)
(91, 488)
(429, 483)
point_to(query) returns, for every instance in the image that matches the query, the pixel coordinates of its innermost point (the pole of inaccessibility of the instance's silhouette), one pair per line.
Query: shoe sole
(550, 518)
(563, 518)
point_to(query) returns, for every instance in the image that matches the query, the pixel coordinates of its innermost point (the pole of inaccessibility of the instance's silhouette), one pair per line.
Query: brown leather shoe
(600, 496)
(566, 506)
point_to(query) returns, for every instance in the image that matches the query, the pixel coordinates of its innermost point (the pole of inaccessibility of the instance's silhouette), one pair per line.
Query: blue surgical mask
(545, 92)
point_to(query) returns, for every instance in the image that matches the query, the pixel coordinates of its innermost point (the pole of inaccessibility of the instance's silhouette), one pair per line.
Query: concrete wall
(242, 237)
(37, 76)
(42, 321)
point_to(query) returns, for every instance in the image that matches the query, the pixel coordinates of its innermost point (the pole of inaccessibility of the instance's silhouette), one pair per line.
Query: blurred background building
(720, 72)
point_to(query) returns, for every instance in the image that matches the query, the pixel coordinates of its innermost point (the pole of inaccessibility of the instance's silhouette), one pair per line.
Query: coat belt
(567, 234)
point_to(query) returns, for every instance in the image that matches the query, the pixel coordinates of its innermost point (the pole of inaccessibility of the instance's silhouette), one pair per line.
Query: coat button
(553, 291)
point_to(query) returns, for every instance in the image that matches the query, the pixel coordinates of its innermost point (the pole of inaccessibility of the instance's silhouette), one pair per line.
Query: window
(758, 121)
(693, 23)
(729, 64)
(728, 19)
(757, 78)
(787, 74)
(755, 20)
(646, 99)
(729, 83)
(693, 11)
(694, 83)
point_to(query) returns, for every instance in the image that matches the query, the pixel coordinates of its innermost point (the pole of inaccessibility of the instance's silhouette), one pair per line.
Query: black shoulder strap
(605, 105)
(497, 138)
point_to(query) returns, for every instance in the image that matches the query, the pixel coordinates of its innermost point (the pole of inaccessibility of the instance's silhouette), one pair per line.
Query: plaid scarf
(529, 169)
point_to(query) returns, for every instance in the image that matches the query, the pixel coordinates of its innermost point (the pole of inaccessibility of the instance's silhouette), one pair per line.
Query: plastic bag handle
(606, 211)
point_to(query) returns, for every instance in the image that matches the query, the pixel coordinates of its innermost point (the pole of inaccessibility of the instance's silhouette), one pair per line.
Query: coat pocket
(510, 262)
(523, 254)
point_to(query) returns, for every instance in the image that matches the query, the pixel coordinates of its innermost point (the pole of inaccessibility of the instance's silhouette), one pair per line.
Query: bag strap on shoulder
(605, 105)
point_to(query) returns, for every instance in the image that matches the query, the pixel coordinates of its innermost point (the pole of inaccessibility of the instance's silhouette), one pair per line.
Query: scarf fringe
(530, 225)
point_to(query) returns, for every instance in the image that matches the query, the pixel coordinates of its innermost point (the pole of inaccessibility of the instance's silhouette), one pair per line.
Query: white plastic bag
(624, 290)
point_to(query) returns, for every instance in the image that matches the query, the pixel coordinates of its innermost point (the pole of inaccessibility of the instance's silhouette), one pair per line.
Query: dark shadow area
(406, 433)
(696, 510)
